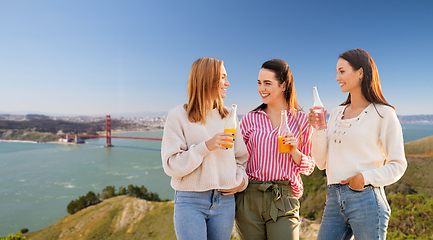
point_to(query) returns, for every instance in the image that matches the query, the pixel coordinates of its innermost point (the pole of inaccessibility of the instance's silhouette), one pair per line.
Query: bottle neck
(284, 129)
(317, 102)
(283, 120)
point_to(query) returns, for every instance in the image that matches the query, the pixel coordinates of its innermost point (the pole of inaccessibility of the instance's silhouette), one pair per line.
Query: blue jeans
(361, 213)
(203, 215)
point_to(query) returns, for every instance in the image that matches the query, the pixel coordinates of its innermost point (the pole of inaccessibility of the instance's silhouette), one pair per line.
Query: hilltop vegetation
(121, 217)
(109, 192)
(423, 146)
(411, 217)
(14, 237)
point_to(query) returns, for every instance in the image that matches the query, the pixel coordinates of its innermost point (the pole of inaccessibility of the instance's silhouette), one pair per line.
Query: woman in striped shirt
(269, 207)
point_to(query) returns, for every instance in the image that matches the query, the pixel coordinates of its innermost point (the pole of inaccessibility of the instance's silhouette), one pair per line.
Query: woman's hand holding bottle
(313, 118)
(290, 140)
(319, 110)
(220, 139)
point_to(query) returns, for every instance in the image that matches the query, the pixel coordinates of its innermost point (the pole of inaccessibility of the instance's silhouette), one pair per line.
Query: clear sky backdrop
(107, 57)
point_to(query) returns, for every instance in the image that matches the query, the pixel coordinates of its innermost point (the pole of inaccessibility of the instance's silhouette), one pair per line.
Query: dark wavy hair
(284, 76)
(370, 83)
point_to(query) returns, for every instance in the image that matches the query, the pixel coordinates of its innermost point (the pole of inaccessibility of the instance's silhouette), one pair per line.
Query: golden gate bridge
(108, 136)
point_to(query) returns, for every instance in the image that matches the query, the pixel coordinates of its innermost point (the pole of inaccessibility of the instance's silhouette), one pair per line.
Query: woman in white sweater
(361, 150)
(205, 174)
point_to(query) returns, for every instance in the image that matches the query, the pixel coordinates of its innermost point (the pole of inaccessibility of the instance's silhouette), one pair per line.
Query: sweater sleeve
(178, 159)
(320, 148)
(395, 163)
(241, 156)
(307, 161)
(320, 142)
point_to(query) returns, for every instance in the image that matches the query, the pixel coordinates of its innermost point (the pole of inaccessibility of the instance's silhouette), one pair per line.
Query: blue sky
(106, 57)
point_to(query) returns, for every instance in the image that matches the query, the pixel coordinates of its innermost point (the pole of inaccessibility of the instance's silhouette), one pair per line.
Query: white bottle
(319, 110)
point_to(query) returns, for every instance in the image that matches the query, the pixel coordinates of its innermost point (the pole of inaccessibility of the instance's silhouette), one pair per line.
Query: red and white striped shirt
(265, 162)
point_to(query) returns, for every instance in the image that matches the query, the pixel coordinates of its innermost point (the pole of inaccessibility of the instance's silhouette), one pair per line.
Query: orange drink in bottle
(283, 148)
(230, 130)
(283, 131)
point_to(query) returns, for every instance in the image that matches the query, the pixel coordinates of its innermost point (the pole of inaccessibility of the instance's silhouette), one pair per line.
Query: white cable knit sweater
(191, 165)
(366, 144)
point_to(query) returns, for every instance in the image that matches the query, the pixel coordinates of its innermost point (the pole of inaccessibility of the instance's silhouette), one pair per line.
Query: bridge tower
(108, 131)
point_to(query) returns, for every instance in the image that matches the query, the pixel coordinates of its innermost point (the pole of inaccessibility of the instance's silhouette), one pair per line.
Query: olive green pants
(267, 210)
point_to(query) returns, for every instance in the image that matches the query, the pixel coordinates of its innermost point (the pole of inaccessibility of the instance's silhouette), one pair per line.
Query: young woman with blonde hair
(362, 151)
(205, 174)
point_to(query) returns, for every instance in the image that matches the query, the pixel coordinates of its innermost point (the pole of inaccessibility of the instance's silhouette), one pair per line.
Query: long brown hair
(203, 90)
(284, 76)
(370, 83)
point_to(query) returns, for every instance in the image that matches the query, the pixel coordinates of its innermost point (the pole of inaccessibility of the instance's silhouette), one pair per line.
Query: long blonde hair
(203, 90)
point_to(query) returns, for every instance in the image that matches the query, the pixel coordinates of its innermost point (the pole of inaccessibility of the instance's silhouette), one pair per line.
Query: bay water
(39, 180)
(412, 132)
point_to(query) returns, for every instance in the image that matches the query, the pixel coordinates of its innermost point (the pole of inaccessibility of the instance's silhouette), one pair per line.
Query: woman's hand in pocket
(356, 182)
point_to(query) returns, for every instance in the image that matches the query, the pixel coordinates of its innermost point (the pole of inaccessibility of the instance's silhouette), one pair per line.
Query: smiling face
(224, 82)
(349, 78)
(269, 88)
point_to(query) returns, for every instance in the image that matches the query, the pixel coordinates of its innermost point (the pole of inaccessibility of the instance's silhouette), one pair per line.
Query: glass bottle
(319, 110)
(282, 133)
(231, 124)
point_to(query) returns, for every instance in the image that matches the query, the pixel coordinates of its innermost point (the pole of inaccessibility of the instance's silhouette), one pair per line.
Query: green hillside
(115, 218)
(423, 146)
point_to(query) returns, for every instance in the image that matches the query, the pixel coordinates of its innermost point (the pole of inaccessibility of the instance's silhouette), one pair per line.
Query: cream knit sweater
(189, 162)
(366, 144)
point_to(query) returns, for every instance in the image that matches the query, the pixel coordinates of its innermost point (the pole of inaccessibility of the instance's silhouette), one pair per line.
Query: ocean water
(412, 132)
(38, 181)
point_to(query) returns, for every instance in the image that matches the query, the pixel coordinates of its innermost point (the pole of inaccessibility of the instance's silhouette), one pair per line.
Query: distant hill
(124, 114)
(41, 124)
(416, 119)
(116, 218)
(23, 135)
(423, 146)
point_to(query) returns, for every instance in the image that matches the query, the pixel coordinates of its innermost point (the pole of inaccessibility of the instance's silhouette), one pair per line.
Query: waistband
(251, 181)
(340, 185)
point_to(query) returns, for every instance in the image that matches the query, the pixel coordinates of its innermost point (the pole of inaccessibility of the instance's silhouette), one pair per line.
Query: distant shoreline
(101, 133)
(126, 131)
(28, 141)
(24, 141)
